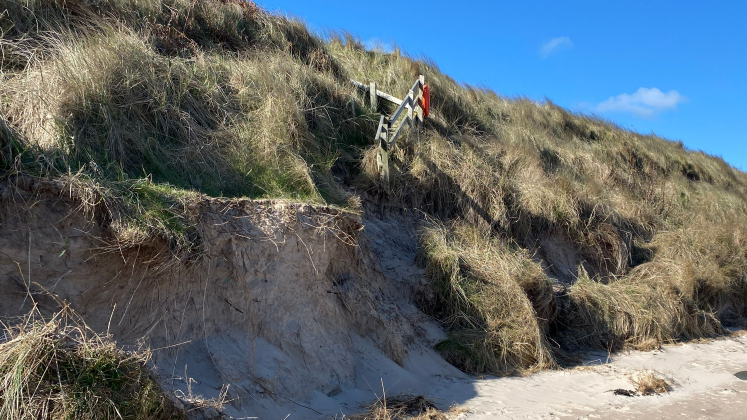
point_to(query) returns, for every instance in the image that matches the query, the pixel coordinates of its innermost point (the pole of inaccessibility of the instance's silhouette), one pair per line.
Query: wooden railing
(410, 113)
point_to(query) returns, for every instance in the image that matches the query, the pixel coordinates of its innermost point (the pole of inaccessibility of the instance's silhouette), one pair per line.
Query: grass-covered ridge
(216, 97)
(145, 104)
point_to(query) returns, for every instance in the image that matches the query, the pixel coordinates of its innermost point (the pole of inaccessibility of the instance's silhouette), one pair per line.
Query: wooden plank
(414, 95)
(379, 93)
(389, 97)
(386, 140)
(407, 102)
(382, 161)
(421, 81)
(374, 97)
(360, 85)
(382, 158)
(384, 137)
(381, 127)
(382, 134)
(405, 122)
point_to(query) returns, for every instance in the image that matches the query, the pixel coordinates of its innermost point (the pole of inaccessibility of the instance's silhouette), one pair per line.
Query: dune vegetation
(140, 106)
(60, 369)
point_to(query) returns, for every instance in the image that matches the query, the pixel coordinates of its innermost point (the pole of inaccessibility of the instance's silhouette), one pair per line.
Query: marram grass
(141, 107)
(59, 369)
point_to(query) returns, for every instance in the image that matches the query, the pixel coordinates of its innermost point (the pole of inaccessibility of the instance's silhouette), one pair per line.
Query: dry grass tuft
(407, 408)
(496, 302)
(651, 383)
(640, 313)
(58, 368)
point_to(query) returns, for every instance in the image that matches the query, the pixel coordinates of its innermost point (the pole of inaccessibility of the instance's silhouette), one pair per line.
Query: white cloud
(645, 102)
(377, 44)
(555, 45)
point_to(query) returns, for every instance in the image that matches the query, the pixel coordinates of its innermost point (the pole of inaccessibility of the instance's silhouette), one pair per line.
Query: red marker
(426, 100)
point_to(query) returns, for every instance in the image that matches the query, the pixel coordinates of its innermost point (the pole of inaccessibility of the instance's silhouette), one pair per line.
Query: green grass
(59, 369)
(142, 106)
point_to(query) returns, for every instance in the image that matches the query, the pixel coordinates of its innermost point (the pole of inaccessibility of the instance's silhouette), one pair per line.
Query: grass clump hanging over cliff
(57, 369)
(214, 97)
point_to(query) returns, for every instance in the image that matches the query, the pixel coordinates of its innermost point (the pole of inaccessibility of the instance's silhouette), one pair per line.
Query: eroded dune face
(285, 301)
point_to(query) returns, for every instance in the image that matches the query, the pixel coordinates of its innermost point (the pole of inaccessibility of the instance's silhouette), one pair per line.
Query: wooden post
(382, 158)
(420, 102)
(412, 106)
(374, 98)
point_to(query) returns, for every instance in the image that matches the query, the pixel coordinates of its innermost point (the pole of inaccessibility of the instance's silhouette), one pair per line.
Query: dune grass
(212, 97)
(144, 106)
(495, 301)
(59, 369)
(651, 382)
(402, 407)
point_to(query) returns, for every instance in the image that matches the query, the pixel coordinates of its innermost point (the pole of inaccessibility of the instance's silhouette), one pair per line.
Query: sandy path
(706, 387)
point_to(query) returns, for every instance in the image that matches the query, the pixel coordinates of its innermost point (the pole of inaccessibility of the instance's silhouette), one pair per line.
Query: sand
(705, 387)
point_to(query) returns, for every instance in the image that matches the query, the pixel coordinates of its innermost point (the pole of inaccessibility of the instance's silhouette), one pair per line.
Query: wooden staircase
(411, 113)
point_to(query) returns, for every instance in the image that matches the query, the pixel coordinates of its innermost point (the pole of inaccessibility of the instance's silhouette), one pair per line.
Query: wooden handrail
(384, 95)
(386, 140)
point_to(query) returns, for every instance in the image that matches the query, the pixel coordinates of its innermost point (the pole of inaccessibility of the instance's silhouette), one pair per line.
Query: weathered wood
(386, 140)
(393, 140)
(382, 158)
(389, 97)
(379, 93)
(421, 81)
(407, 103)
(415, 93)
(382, 162)
(381, 127)
(360, 85)
(374, 97)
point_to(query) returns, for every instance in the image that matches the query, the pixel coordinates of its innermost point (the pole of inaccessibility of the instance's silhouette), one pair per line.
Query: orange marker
(426, 100)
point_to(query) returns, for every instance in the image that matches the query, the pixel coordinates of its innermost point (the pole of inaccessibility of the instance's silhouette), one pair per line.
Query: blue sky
(674, 68)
